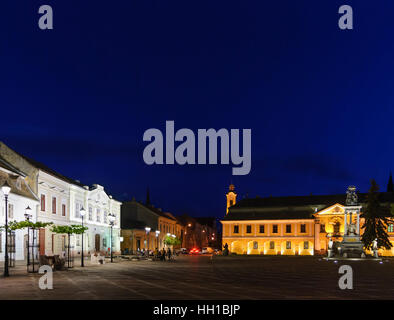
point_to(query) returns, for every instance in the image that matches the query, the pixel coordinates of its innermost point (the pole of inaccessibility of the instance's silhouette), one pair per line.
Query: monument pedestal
(352, 247)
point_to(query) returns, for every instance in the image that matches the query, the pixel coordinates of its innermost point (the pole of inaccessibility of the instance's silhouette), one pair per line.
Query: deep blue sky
(319, 101)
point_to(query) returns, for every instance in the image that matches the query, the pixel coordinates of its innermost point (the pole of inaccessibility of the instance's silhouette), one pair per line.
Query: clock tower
(231, 197)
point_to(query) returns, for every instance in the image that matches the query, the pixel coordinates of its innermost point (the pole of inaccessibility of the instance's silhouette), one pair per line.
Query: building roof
(269, 215)
(310, 200)
(292, 207)
(133, 224)
(52, 172)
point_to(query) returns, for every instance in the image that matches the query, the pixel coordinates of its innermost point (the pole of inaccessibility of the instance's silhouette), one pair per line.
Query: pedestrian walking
(169, 254)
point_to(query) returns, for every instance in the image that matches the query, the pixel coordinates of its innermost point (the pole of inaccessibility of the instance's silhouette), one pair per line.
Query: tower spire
(390, 186)
(147, 202)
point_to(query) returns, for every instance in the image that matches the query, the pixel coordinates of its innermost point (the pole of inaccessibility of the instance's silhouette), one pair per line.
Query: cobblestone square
(206, 277)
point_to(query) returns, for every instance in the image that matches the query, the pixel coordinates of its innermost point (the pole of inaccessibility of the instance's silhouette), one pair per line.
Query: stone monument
(351, 245)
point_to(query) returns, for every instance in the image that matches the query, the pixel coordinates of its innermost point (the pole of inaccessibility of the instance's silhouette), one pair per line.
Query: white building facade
(20, 198)
(58, 199)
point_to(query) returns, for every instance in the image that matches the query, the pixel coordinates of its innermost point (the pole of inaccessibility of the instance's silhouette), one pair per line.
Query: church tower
(231, 197)
(390, 186)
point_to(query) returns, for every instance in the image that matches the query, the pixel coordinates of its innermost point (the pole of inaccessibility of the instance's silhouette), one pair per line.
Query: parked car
(207, 250)
(183, 251)
(195, 251)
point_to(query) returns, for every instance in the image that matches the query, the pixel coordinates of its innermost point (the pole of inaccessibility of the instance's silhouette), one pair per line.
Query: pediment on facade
(336, 209)
(99, 196)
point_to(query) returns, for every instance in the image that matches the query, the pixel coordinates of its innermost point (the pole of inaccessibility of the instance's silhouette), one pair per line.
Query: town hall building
(294, 225)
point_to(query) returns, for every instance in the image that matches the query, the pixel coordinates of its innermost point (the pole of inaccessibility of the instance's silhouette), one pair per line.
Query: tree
(69, 230)
(376, 218)
(172, 241)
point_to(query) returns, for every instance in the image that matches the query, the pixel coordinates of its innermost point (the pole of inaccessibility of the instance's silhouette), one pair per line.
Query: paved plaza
(206, 277)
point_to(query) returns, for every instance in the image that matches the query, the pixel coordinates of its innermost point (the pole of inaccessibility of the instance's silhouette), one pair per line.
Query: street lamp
(6, 191)
(147, 229)
(157, 238)
(27, 217)
(82, 212)
(111, 218)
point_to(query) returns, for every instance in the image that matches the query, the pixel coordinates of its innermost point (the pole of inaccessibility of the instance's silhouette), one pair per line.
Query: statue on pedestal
(351, 196)
(352, 229)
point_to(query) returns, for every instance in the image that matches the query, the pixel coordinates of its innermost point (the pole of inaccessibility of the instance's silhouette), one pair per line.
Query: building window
(275, 228)
(78, 240)
(236, 229)
(261, 228)
(288, 244)
(272, 245)
(90, 213)
(53, 205)
(248, 229)
(337, 227)
(43, 202)
(98, 215)
(10, 211)
(105, 216)
(303, 228)
(306, 245)
(63, 210)
(323, 228)
(231, 203)
(391, 227)
(104, 242)
(288, 228)
(255, 245)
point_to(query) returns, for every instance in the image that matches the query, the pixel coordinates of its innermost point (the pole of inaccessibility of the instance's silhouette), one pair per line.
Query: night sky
(319, 100)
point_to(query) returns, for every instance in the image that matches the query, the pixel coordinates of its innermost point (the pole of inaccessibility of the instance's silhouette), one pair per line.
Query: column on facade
(345, 229)
(317, 236)
(358, 222)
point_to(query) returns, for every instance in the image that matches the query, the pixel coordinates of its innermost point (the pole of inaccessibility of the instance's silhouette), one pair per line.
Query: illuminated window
(288, 228)
(272, 245)
(275, 228)
(337, 227)
(255, 245)
(236, 229)
(261, 228)
(288, 244)
(303, 228)
(248, 229)
(391, 227)
(306, 245)
(323, 228)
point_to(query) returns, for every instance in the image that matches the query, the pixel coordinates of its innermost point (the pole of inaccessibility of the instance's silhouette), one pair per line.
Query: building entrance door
(97, 242)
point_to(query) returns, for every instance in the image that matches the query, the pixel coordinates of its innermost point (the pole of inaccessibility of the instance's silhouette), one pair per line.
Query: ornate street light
(82, 212)
(111, 219)
(147, 229)
(27, 217)
(6, 191)
(157, 238)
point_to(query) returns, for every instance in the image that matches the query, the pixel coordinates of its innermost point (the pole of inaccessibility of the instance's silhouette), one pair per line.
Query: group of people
(163, 254)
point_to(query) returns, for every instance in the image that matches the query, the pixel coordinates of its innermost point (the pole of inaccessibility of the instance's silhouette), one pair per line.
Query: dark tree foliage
(376, 220)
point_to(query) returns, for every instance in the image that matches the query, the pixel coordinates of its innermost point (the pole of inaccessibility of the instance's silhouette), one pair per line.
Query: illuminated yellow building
(300, 225)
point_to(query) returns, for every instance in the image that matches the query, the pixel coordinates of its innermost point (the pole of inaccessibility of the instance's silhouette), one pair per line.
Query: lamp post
(27, 217)
(6, 191)
(147, 229)
(157, 238)
(111, 218)
(82, 212)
